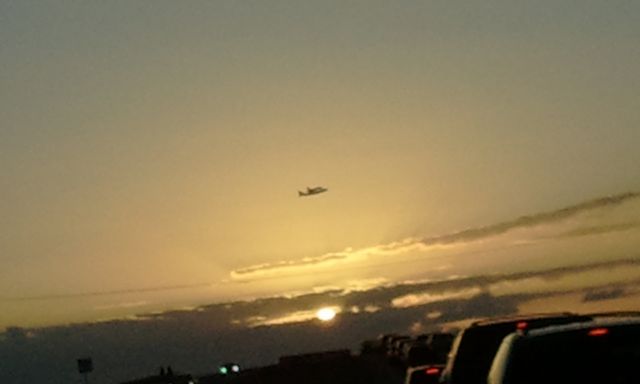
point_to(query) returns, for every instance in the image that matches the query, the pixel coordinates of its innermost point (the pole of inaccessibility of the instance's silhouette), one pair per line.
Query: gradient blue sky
(160, 144)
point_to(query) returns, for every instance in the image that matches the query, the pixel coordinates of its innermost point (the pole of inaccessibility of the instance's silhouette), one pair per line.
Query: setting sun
(326, 314)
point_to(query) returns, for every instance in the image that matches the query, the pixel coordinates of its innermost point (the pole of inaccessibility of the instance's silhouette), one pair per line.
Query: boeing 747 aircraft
(312, 191)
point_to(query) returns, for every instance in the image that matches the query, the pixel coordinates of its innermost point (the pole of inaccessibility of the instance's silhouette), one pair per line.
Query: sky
(151, 151)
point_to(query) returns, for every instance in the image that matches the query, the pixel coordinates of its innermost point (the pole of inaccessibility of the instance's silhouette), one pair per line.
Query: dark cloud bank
(196, 341)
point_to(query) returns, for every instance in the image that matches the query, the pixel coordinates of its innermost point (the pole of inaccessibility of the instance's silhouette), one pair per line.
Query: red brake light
(598, 332)
(433, 371)
(522, 325)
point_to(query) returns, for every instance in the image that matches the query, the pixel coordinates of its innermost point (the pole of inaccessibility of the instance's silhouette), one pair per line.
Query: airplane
(312, 191)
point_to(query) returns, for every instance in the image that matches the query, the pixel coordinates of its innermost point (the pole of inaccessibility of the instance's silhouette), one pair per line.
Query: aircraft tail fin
(300, 194)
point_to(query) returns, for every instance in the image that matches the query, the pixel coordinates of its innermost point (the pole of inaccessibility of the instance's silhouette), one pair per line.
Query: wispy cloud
(342, 260)
(126, 291)
(413, 300)
(291, 263)
(599, 229)
(531, 221)
(607, 293)
(132, 304)
(289, 318)
(304, 265)
(595, 279)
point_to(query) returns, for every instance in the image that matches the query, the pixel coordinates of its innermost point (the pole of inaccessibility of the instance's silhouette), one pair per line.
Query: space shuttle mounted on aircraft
(312, 191)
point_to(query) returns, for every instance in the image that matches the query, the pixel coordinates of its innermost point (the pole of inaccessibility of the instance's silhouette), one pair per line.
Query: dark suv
(475, 346)
(602, 352)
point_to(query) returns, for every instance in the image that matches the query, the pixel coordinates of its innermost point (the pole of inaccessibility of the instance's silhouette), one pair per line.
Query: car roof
(522, 317)
(595, 323)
